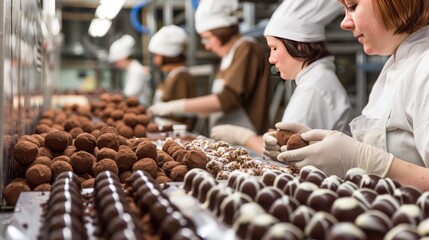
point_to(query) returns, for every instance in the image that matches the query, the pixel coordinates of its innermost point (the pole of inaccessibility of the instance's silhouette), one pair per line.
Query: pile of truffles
(313, 205)
(224, 159)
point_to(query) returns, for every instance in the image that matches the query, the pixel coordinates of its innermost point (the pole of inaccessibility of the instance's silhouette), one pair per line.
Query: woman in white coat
(295, 35)
(137, 77)
(392, 134)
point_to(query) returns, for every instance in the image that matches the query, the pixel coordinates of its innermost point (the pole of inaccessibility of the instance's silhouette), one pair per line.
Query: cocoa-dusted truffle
(88, 126)
(42, 160)
(195, 159)
(40, 139)
(25, 152)
(70, 124)
(82, 162)
(13, 189)
(146, 149)
(162, 179)
(126, 131)
(69, 150)
(58, 167)
(152, 127)
(130, 119)
(76, 131)
(61, 158)
(38, 174)
(44, 151)
(105, 165)
(125, 159)
(42, 128)
(148, 165)
(162, 158)
(117, 114)
(30, 139)
(85, 142)
(108, 129)
(106, 153)
(282, 136)
(89, 183)
(125, 175)
(179, 155)
(295, 141)
(44, 187)
(168, 166)
(57, 141)
(178, 173)
(108, 140)
(142, 119)
(140, 130)
(132, 101)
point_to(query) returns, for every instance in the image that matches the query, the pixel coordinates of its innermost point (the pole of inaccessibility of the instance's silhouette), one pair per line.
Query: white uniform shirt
(319, 100)
(137, 83)
(403, 89)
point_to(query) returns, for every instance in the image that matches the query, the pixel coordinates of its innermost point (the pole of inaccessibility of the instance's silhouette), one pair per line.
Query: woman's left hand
(334, 153)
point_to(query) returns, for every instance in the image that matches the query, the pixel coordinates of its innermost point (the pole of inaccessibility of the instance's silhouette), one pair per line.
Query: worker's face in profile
(281, 59)
(157, 60)
(362, 18)
(211, 43)
(121, 64)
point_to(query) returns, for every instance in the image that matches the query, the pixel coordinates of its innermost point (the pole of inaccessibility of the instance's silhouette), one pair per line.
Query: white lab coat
(137, 83)
(319, 100)
(401, 95)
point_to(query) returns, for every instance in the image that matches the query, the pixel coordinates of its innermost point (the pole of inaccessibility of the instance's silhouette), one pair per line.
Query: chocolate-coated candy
(259, 226)
(283, 231)
(407, 213)
(322, 199)
(244, 216)
(332, 182)
(316, 177)
(301, 216)
(402, 231)
(423, 203)
(304, 190)
(345, 230)
(374, 223)
(369, 181)
(283, 208)
(267, 196)
(354, 175)
(346, 189)
(319, 225)
(386, 204)
(269, 176)
(346, 209)
(407, 194)
(365, 196)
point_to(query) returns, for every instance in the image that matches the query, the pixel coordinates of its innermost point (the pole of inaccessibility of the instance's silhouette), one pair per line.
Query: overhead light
(99, 27)
(108, 9)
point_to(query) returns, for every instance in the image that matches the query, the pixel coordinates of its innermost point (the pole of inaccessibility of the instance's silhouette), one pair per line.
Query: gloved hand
(231, 134)
(335, 153)
(167, 108)
(271, 147)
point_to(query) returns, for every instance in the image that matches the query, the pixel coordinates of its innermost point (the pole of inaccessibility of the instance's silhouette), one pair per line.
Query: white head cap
(169, 41)
(121, 48)
(302, 20)
(212, 14)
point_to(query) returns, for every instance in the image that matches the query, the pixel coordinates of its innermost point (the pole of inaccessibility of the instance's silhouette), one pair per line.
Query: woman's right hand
(271, 147)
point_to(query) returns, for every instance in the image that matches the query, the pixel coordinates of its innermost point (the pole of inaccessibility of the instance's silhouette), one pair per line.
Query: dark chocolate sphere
(269, 176)
(319, 225)
(267, 196)
(354, 175)
(345, 230)
(407, 194)
(283, 231)
(322, 199)
(374, 223)
(283, 208)
(244, 216)
(346, 189)
(304, 190)
(407, 213)
(301, 216)
(402, 231)
(365, 196)
(423, 203)
(346, 209)
(332, 182)
(259, 226)
(385, 203)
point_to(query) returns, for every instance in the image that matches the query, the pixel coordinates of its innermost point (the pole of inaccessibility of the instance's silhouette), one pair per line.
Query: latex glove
(271, 147)
(293, 127)
(167, 108)
(335, 153)
(231, 134)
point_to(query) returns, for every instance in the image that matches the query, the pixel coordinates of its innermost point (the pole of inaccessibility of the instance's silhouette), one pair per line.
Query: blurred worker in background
(240, 92)
(169, 48)
(137, 77)
(295, 35)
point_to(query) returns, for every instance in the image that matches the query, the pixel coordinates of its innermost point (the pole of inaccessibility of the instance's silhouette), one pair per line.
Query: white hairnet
(212, 14)
(121, 48)
(169, 41)
(302, 20)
